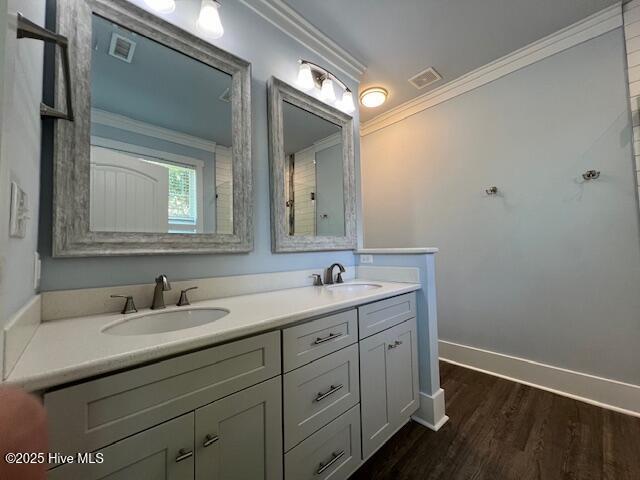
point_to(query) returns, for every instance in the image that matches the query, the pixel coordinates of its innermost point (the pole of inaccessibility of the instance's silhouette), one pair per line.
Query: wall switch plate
(19, 212)
(366, 258)
(37, 269)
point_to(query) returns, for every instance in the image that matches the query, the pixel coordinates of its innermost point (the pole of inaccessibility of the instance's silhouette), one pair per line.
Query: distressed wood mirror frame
(281, 240)
(72, 236)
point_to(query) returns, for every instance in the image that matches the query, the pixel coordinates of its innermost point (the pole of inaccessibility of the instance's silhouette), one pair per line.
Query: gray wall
(550, 269)
(19, 152)
(271, 52)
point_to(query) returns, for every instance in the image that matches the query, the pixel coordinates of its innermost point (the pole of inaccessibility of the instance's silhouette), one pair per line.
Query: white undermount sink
(353, 287)
(161, 322)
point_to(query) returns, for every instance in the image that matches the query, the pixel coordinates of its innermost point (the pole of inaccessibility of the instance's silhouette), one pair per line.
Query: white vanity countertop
(68, 350)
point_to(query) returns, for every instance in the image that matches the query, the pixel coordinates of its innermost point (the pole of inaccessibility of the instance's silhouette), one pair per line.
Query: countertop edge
(133, 358)
(396, 251)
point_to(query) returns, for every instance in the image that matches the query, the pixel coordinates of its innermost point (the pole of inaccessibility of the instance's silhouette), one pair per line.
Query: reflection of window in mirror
(160, 138)
(314, 190)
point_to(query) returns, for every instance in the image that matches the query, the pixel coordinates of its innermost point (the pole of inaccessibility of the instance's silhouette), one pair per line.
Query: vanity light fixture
(161, 6)
(346, 104)
(373, 97)
(312, 76)
(305, 77)
(209, 19)
(327, 92)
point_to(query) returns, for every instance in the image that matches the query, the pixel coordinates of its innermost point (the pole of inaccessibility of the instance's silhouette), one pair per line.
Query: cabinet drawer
(149, 454)
(304, 343)
(90, 415)
(317, 393)
(375, 317)
(332, 452)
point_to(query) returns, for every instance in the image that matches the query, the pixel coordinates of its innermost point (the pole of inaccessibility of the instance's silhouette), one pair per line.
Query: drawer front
(332, 452)
(319, 392)
(379, 316)
(165, 451)
(90, 415)
(307, 342)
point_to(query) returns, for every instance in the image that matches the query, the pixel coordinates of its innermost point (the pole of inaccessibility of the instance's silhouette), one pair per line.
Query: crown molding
(115, 120)
(285, 18)
(593, 26)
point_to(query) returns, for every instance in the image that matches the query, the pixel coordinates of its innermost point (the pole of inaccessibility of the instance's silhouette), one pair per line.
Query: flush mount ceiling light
(209, 19)
(373, 97)
(312, 76)
(161, 6)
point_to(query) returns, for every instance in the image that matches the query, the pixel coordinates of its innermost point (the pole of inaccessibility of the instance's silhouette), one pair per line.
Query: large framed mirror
(312, 173)
(158, 159)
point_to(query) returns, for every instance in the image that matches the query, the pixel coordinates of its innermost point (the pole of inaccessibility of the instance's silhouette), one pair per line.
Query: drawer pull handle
(183, 454)
(331, 336)
(395, 344)
(333, 389)
(334, 458)
(398, 342)
(209, 439)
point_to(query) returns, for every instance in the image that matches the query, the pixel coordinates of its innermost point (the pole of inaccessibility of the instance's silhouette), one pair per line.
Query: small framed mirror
(158, 158)
(312, 173)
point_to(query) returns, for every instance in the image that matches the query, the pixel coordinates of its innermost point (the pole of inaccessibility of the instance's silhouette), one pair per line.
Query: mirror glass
(161, 138)
(314, 172)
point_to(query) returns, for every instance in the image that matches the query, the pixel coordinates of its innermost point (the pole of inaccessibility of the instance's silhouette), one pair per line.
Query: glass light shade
(373, 97)
(328, 93)
(161, 6)
(305, 77)
(209, 19)
(346, 104)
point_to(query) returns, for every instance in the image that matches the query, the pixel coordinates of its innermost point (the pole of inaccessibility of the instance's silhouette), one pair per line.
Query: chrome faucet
(328, 274)
(162, 285)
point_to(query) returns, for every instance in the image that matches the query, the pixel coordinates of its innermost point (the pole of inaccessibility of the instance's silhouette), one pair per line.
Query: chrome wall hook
(492, 190)
(591, 174)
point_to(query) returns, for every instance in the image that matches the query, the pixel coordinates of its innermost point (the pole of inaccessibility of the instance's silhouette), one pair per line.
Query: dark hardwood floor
(503, 430)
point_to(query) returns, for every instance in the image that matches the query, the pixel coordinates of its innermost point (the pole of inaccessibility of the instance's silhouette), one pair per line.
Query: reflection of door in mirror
(314, 193)
(160, 138)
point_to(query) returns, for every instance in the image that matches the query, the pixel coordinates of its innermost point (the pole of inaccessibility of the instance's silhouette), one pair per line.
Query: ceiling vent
(226, 96)
(122, 48)
(425, 78)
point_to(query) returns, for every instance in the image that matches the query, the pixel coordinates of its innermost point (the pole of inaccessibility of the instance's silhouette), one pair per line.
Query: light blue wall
(549, 270)
(271, 52)
(427, 315)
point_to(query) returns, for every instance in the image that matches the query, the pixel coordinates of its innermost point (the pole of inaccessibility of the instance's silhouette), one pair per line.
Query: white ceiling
(396, 39)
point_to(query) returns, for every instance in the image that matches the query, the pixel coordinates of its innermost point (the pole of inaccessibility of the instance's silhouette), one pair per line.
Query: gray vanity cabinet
(388, 383)
(165, 451)
(240, 436)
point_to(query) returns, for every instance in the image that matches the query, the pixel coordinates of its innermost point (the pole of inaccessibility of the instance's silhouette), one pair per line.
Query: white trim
(328, 142)
(18, 332)
(146, 152)
(602, 392)
(286, 19)
(431, 412)
(586, 29)
(121, 122)
(396, 251)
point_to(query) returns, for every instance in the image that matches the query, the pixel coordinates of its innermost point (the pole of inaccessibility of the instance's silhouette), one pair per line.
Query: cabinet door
(402, 372)
(374, 387)
(389, 392)
(165, 451)
(240, 436)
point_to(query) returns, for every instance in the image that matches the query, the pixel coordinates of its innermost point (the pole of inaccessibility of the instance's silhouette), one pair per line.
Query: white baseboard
(431, 412)
(18, 332)
(602, 392)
